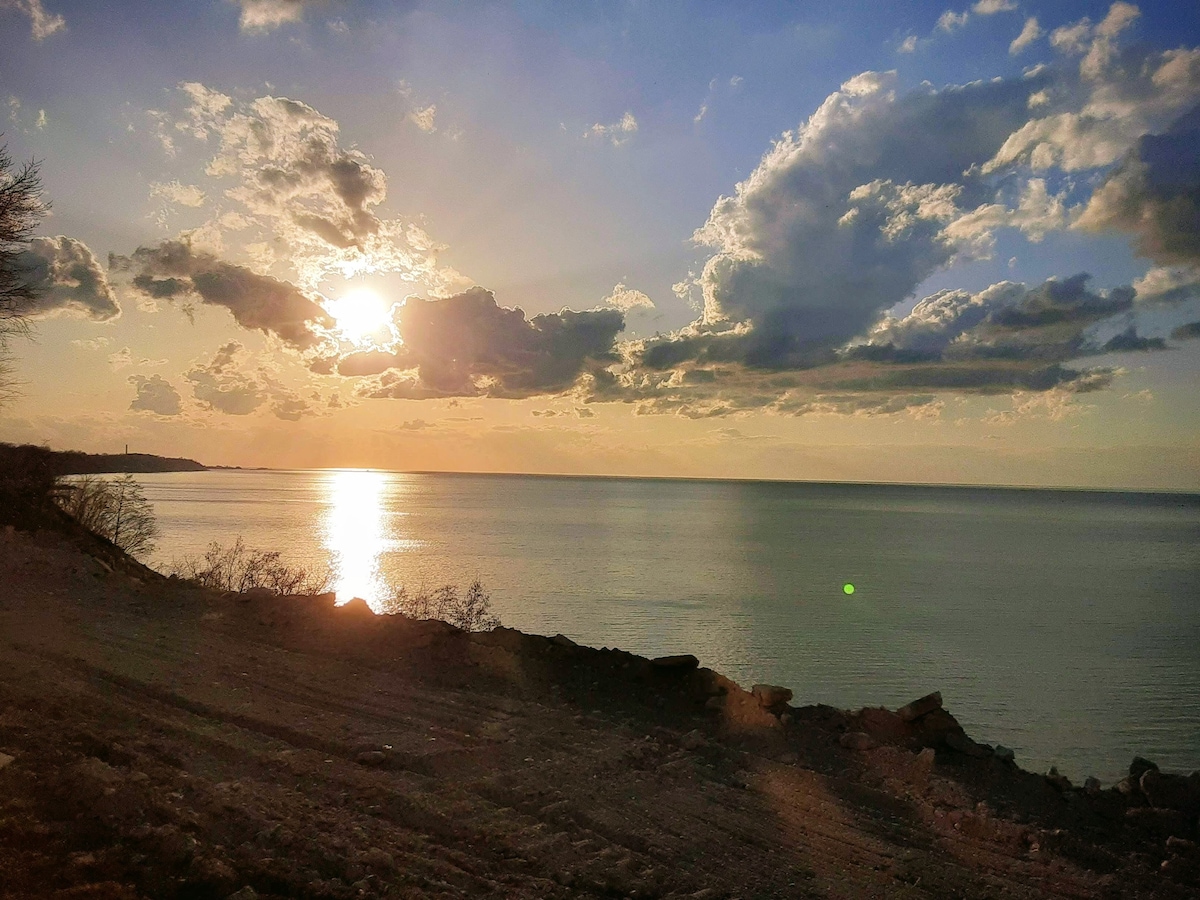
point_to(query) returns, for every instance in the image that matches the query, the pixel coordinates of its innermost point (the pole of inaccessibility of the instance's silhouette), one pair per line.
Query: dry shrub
(471, 611)
(115, 509)
(238, 568)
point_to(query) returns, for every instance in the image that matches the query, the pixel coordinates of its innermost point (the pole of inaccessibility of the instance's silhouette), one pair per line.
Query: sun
(362, 317)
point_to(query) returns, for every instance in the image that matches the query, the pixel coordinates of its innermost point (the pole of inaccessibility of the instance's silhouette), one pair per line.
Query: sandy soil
(171, 743)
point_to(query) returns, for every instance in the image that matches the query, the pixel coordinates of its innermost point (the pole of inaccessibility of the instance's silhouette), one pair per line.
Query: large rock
(1139, 766)
(960, 742)
(1165, 791)
(771, 696)
(684, 662)
(857, 740)
(920, 707)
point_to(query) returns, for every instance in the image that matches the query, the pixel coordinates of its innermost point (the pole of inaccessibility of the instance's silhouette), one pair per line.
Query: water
(1065, 625)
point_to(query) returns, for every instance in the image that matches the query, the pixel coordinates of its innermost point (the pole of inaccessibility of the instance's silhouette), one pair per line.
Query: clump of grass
(238, 569)
(471, 611)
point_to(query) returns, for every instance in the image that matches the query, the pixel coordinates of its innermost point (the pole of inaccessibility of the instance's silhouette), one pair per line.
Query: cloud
(424, 117)
(42, 23)
(174, 270)
(991, 7)
(468, 346)
(121, 359)
(296, 187)
(1029, 33)
(176, 192)
(228, 385)
(844, 217)
(626, 299)
(951, 20)
(1190, 331)
(265, 15)
(618, 132)
(1155, 195)
(908, 45)
(156, 395)
(67, 278)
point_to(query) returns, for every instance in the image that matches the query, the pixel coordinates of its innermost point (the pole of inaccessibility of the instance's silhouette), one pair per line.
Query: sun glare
(362, 317)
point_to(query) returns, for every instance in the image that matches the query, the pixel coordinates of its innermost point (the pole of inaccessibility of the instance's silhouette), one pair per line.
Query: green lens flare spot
(847, 588)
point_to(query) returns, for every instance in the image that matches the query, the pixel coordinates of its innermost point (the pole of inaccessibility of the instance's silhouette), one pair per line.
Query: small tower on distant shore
(126, 449)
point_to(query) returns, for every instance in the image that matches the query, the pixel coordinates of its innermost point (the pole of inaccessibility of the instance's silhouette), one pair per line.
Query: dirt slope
(167, 743)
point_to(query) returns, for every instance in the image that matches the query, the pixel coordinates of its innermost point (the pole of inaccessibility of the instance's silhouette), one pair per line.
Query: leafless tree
(116, 509)
(21, 208)
(238, 568)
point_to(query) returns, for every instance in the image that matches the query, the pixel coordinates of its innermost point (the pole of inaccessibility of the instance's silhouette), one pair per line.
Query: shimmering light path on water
(1062, 624)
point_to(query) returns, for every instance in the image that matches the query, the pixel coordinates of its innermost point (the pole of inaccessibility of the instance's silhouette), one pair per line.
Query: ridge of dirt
(158, 741)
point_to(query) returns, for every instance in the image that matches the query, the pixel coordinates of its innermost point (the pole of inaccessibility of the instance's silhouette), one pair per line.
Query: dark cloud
(1155, 195)
(67, 277)
(174, 270)
(1129, 339)
(467, 345)
(156, 395)
(219, 385)
(1190, 331)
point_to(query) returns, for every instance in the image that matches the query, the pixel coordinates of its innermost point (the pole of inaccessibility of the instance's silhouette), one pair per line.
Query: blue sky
(564, 156)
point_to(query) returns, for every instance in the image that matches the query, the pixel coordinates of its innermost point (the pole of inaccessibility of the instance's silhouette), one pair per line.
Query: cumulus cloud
(176, 192)
(626, 299)
(1155, 195)
(1029, 33)
(844, 217)
(467, 346)
(174, 270)
(67, 278)
(424, 118)
(155, 395)
(265, 15)
(229, 384)
(618, 132)
(42, 23)
(296, 186)
(991, 7)
(951, 20)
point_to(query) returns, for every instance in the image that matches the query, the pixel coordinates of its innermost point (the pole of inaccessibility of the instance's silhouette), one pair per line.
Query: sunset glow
(363, 317)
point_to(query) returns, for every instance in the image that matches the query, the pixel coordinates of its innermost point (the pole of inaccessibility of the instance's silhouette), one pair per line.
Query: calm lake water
(1065, 625)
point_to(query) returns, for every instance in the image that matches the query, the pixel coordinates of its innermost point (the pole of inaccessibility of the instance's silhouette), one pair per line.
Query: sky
(853, 241)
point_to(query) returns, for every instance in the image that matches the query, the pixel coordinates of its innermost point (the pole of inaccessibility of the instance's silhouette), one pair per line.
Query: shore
(158, 741)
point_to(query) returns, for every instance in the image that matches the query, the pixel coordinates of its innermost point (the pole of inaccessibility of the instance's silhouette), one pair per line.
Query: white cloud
(42, 23)
(991, 7)
(908, 45)
(618, 132)
(699, 117)
(265, 15)
(951, 20)
(1029, 33)
(423, 118)
(626, 299)
(176, 192)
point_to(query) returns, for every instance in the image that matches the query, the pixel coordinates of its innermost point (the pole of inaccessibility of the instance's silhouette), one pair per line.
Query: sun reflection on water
(356, 534)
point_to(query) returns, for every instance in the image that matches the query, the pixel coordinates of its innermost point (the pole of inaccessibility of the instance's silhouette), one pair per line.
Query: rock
(563, 641)
(1004, 754)
(684, 662)
(1092, 785)
(1166, 791)
(371, 758)
(357, 608)
(785, 719)
(1058, 781)
(375, 858)
(258, 593)
(6, 760)
(771, 696)
(717, 702)
(926, 758)
(1128, 786)
(693, 740)
(857, 740)
(1139, 766)
(1180, 845)
(960, 742)
(246, 893)
(920, 707)
(212, 873)
(1160, 821)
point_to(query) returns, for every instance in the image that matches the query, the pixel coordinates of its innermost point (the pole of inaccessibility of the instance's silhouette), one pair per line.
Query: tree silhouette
(116, 509)
(21, 208)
